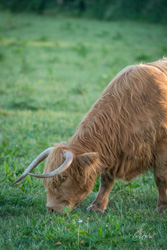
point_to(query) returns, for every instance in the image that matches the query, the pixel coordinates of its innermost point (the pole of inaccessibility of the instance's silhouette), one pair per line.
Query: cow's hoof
(162, 208)
(94, 208)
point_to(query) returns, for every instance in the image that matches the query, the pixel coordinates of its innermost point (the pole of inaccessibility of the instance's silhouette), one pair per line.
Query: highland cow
(123, 135)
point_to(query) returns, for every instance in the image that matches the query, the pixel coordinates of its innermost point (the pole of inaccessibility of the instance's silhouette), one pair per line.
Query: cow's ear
(88, 162)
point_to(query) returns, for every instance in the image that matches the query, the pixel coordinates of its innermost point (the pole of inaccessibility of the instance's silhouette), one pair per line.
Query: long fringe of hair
(85, 167)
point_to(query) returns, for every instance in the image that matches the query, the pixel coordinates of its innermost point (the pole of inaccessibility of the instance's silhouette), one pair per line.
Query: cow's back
(161, 65)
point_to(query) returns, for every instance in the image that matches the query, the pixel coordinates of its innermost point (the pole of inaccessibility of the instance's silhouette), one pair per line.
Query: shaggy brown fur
(127, 131)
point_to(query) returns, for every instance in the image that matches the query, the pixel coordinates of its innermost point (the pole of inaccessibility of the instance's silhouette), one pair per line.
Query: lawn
(52, 69)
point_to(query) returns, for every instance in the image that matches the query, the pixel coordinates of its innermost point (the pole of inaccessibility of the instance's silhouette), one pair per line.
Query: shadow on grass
(16, 205)
(145, 203)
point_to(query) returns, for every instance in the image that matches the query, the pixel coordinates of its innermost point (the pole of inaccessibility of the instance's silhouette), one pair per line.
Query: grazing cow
(123, 135)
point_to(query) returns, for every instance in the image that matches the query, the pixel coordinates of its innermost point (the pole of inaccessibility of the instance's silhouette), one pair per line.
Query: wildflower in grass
(58, 243)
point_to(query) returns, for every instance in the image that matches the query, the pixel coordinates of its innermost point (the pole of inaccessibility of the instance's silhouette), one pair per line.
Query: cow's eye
(63, 178)
(55, 185)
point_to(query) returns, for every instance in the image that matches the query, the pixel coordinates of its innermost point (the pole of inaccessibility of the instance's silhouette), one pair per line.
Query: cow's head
(68, 178)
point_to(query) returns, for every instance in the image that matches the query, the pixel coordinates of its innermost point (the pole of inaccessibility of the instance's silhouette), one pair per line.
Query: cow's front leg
(160, 175)
(101, 201)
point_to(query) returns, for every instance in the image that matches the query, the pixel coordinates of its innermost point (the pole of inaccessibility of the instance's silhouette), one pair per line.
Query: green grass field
(52, 69)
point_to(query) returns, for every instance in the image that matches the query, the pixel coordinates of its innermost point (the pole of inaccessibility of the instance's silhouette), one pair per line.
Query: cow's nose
(50, 210)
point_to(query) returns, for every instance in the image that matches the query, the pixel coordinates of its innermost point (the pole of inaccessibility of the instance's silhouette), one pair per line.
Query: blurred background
(151, 10)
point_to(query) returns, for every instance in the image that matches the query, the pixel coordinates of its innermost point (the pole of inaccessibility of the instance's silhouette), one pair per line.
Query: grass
(52, 70)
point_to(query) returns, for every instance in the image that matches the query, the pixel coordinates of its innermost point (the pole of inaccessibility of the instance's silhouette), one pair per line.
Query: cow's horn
(39, 158)
(68, 160)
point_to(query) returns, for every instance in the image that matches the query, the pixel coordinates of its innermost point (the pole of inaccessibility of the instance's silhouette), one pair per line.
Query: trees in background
(152, 10)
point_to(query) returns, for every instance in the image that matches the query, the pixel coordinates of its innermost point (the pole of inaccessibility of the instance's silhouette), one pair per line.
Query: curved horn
(68, 160)
(39, 158)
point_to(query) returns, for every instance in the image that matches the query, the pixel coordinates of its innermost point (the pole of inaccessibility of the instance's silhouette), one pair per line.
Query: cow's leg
(160, 175)
(101, 201)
